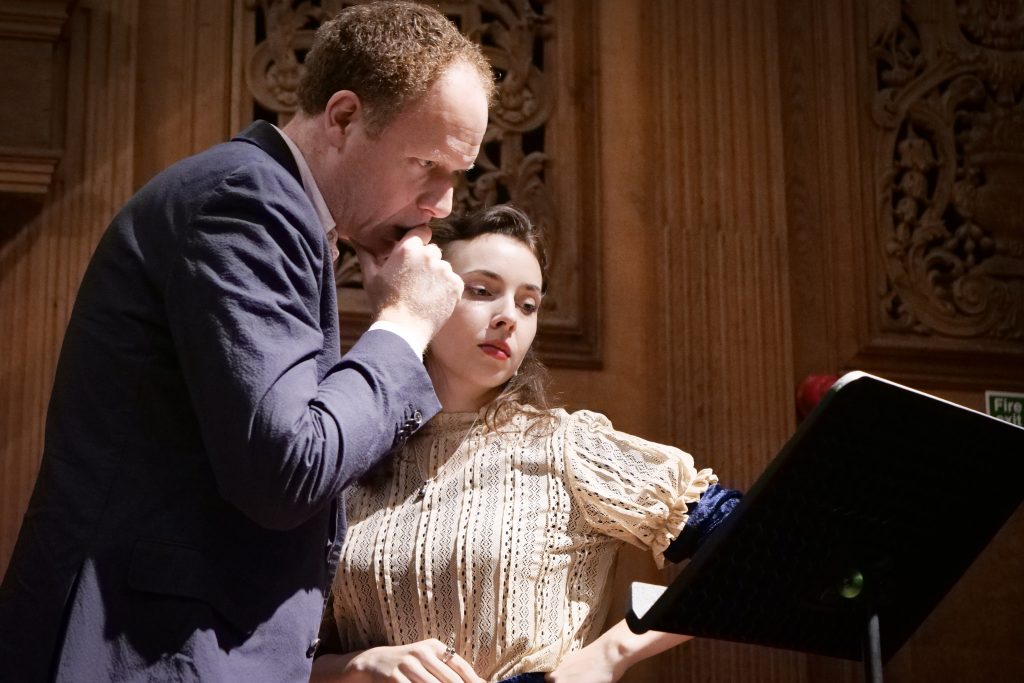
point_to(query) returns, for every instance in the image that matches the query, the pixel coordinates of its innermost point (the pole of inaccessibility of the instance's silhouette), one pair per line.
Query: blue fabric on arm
(705, 516)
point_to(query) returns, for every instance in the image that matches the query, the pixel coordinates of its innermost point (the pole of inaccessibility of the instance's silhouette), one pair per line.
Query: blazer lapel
(264, 136)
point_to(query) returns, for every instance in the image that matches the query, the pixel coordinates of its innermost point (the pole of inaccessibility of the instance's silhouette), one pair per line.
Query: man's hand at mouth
(412, 287)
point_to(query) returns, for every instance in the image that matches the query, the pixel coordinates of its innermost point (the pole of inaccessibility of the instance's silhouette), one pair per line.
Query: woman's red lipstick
(496, 349)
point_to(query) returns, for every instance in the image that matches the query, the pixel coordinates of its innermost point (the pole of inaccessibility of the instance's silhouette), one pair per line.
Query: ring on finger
(449, 652)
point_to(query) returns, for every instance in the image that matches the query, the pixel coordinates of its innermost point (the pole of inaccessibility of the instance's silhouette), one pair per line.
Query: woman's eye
(476, 290)
(529, 306)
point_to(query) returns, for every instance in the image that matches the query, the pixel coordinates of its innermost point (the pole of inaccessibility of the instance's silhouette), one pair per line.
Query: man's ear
(342, 112)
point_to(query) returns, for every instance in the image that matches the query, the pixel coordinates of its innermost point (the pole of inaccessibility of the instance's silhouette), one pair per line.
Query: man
(186, 519)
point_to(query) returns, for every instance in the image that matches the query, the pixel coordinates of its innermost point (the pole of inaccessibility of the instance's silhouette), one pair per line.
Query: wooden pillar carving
(948, 119)
(722, 217)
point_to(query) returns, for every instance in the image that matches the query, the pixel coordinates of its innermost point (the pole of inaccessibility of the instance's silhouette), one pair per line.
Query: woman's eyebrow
(494, 276)
(490, 274)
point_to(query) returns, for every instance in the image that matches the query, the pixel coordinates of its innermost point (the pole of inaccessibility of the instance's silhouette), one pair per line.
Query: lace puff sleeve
(629, 488)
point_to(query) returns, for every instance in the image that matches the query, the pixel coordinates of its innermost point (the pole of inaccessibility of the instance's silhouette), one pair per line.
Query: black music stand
(855, 531)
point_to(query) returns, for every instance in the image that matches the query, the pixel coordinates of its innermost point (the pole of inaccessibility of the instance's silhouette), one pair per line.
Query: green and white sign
(1005, 406)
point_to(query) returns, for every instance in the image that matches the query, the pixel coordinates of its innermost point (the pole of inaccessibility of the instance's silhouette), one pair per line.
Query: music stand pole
(872, 651)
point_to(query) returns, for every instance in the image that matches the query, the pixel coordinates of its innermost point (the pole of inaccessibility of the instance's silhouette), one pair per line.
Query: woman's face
(493, 325)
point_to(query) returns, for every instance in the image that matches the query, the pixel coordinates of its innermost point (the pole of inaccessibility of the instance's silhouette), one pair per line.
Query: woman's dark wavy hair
(526, 391)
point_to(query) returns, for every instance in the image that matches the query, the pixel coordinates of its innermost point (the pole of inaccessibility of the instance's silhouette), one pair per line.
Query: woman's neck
(458, 397)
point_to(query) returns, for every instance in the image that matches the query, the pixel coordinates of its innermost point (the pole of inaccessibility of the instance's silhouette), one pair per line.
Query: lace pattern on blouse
(508, 552)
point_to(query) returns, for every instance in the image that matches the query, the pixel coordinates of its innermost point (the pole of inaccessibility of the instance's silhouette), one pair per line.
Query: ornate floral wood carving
(522, 149)
(950, 98)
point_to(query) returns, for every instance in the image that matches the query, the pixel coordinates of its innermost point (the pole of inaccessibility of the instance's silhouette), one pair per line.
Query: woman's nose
(505, 317)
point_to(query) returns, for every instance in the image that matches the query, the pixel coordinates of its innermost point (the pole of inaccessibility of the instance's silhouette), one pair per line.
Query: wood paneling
(148, 84)
(31, 133)
(823, 167)
(722, 219)
(42, 260)
(187, 72)
(626, 388)
(835, 169)
(725, 291)
(734, 200)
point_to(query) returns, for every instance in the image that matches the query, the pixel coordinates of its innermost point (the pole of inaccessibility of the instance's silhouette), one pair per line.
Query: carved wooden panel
(904, 158)
(950, 81)
(947, 125)
(538, 151)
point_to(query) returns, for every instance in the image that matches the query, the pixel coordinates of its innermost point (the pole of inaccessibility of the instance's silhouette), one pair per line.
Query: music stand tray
(854, 533)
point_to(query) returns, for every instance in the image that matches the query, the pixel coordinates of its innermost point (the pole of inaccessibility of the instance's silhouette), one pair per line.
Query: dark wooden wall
(736, 186)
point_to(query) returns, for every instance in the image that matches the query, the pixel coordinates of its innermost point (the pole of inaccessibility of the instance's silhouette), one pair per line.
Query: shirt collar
(309, 185)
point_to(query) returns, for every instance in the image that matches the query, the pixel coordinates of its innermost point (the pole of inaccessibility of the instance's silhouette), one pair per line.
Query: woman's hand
(426, 661)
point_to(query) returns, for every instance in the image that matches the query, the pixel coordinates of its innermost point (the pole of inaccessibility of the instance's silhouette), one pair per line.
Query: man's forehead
(442, 138)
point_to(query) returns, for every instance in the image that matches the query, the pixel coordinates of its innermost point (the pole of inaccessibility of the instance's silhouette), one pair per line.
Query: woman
(485, 549)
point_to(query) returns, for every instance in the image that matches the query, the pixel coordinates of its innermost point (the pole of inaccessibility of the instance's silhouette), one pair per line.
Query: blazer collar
(263, 135)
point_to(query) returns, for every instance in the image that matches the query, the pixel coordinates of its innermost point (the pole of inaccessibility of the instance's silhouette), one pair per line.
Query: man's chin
(379, 250)
(384, 240)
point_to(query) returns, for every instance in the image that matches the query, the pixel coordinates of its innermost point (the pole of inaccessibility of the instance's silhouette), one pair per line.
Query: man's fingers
(420, 232)
(367, 262)
(413, 286)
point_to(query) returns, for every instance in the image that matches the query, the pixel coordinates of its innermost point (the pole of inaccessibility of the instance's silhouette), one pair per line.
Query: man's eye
(425, 163)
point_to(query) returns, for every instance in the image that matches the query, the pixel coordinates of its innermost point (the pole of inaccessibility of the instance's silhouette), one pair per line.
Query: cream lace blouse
(502, 544)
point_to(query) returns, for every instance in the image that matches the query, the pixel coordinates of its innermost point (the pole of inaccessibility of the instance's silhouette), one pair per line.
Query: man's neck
(300, 130)
(300, 135)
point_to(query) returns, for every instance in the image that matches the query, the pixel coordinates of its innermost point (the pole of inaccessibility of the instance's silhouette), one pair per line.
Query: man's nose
(438, 202)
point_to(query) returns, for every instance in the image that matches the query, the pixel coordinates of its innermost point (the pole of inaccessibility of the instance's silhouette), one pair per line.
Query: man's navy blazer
(185, 524)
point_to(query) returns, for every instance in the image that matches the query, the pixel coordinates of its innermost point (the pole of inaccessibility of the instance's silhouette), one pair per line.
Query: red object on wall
(810, 392)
